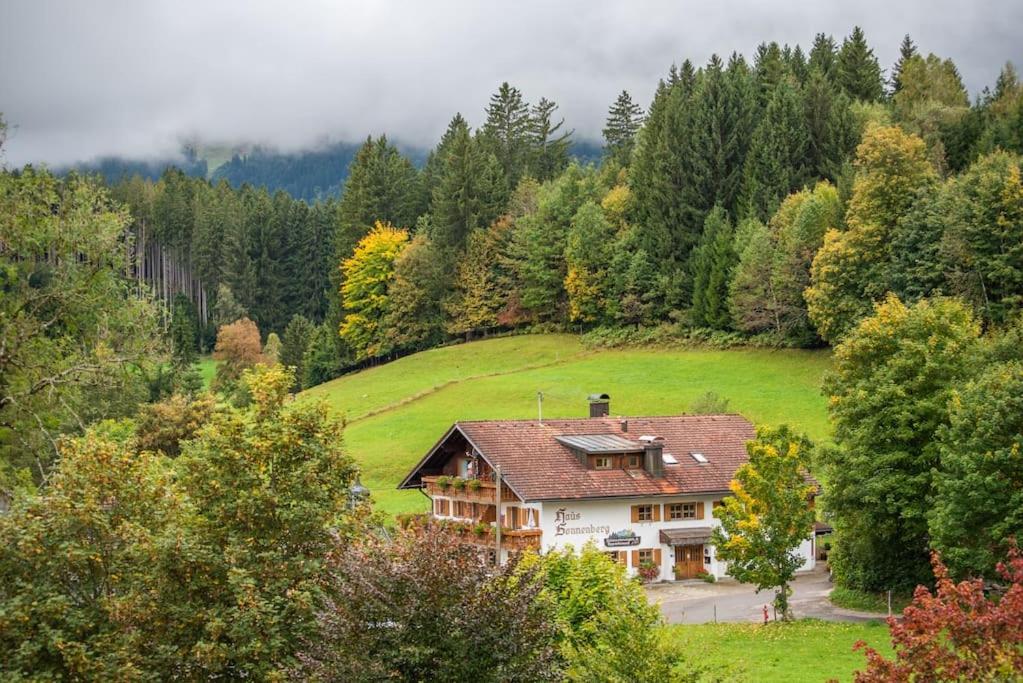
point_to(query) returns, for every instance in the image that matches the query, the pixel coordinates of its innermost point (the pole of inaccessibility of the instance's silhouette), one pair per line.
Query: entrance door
(689, 559)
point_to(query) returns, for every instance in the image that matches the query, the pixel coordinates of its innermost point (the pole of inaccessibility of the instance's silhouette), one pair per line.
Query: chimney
(653, 455)
(600, 405)
(625, 426)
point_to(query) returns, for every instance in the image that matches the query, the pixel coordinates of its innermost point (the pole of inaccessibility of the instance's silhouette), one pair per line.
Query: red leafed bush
(957, 633)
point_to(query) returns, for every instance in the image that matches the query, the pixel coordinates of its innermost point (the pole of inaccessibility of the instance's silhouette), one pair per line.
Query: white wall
(594, 520)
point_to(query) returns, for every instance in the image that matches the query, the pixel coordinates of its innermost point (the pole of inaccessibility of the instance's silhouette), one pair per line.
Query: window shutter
(623, 558)
(657, 512)
(635, 513)
(657, 556)
(718, 503)
(699, 510)
(635, 558)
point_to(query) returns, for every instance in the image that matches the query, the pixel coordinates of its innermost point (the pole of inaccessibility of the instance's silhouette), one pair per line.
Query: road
(694, 602)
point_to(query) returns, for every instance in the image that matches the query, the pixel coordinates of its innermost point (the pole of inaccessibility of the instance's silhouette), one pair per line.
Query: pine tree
(506, 132)
(712, 264)
(831, 128)
(184, 331)
(471, 193)
(422, 282)
(907, 50)
(769, 70)
(549, 153)
(858, 73)
(776, 163)
(751, 299)
(297, 336)
(382, 185)
(624, 119)
(322, 361)
(824, 57)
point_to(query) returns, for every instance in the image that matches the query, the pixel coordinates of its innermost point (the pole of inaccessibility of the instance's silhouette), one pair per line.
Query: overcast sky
(79, 79)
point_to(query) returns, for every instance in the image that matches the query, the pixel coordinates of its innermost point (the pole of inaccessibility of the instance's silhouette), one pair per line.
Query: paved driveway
(696, 602)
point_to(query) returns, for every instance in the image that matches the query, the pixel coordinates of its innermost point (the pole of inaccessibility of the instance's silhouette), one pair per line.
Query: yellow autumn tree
(852, 269)
(366, 282)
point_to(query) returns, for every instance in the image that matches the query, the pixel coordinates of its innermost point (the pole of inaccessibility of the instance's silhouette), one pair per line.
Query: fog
(85, 79)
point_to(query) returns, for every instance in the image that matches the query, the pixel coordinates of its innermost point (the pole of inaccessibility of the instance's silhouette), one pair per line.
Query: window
(632, 462)
(616, 556)
(706, 555)
(441, 506)
(602, 462)
(463, 467)
(646, 556)
(512, 518)
(682, 511)
(646, 513)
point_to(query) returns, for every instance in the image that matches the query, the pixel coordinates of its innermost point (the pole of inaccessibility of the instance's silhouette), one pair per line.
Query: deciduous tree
(768, 515)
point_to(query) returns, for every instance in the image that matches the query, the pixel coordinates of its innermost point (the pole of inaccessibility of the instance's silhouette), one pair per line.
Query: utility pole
(497, 501)
(539, 406)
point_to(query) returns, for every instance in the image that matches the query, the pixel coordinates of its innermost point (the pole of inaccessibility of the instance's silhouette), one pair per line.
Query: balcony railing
(456, 488)
(477, 533)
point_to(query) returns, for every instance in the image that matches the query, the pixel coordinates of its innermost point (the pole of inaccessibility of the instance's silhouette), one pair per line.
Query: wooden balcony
(473, 490)
(511, 539)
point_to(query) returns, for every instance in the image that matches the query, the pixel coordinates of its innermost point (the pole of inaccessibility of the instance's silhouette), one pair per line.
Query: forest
(801, 198)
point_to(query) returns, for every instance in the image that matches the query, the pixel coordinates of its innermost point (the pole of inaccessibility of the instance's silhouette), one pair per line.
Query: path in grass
(397, 411)
(805, 650)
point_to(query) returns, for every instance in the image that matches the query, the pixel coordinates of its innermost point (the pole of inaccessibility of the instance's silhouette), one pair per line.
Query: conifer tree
(471, 193)
(624, 120)
(382, 185)
(824, 56)
(294, 344)
(712, 264)
(751, 299)
(550, 145)
(415, 318)
(506, 132)
(831, 128)
(769, 69)
(480, 281)
(907, 50)
(776, 162)
(857, 71)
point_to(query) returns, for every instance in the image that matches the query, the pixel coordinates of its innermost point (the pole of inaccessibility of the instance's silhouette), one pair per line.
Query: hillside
(396, 411)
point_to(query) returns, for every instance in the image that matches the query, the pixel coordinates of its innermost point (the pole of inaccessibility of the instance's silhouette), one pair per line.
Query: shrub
(648, 571)
(481, 528)
(444, 481)
(473, 485)
(705, 576)
(458, 484)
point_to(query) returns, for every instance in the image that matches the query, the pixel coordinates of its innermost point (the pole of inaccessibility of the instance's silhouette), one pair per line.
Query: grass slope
(805, 650)
(397, 411)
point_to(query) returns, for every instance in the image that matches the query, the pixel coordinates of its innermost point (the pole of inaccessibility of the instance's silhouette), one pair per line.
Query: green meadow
(397, 411)
(806, 650)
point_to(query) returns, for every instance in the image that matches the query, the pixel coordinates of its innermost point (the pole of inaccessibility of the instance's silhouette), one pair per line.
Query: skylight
(669, 459)
(699, 457)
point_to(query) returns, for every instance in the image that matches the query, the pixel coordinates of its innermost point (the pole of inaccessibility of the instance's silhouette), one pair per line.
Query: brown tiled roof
(537, 467)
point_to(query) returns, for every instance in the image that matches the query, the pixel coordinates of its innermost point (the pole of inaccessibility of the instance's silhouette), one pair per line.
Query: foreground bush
(957, 633)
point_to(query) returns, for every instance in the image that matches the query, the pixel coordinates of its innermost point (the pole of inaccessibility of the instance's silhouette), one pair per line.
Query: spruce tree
(769, 70)
(858, 73)
(549, 154)
(712, 264)
(776, 163)
(297, 336)
(471, 193)
(184, 331)
(506, 132)
(831, 129)
(624, 120)
(907, 50)
(824, 56)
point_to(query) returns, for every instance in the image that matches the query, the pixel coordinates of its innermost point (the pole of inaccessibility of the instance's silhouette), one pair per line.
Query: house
(642, 488)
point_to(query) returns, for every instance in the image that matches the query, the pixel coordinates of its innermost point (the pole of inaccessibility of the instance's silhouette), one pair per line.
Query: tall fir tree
(550, 144)
(831, 127)
(776, 163)
(857, 72)
(506, 132)
(712, 264)
(471, 193)
(824, 56)
(907, 50)
(624, 119)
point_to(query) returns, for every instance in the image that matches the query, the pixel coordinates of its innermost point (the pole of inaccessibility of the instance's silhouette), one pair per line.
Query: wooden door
(690, 560)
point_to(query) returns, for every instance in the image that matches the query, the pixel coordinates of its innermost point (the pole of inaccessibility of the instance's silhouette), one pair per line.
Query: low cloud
(80, 80)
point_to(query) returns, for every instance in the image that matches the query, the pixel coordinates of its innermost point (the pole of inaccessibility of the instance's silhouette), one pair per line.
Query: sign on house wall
(563, 517)
(621, 539)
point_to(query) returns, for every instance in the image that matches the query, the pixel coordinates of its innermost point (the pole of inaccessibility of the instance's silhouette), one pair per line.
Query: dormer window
(633, 462)
(602, 462)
